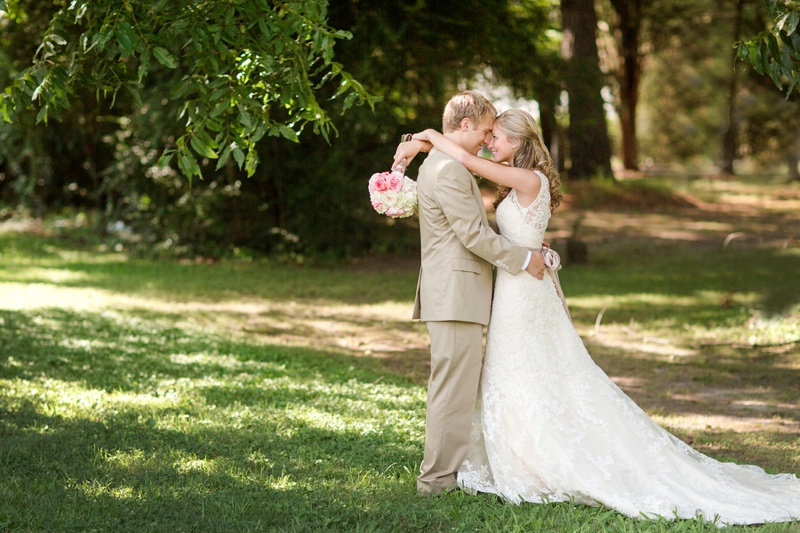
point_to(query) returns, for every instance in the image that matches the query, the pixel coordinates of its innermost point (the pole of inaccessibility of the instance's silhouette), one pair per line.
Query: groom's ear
(466, 123)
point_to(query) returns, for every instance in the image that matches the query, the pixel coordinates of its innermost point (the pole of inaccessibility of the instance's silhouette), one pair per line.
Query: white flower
(390, 197)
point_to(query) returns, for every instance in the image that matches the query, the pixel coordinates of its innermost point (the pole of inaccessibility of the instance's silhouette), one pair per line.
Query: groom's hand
(536, 265)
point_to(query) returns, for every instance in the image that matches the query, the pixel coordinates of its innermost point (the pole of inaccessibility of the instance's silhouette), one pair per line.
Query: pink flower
(379, 182)
(395, 182)
(377, 205)
(395, 211)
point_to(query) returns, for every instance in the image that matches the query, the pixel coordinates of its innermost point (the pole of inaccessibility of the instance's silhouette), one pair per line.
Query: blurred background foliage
(675, 100)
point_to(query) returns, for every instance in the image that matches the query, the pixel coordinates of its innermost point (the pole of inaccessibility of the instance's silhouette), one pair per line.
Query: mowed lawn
(254, 396)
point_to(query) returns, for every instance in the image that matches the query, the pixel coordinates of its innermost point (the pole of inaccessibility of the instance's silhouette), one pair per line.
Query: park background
(207, 342)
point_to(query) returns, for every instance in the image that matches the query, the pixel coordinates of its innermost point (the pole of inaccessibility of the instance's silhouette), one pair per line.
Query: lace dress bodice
(529, 233)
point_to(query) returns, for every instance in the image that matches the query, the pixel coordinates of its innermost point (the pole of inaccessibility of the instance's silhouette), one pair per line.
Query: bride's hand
(422, 136)
(408, 150)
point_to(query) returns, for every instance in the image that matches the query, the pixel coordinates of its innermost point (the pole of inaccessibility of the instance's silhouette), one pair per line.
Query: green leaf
(224, 156)
(763, 56)
(144, 65)
(127, 38)
(220, 107)
(260, 131)
(288, 132)
(791, 26)
(741, 51)
(752, 54)
(252, 162)
(785, 57)
(781, 22)
(349, 101)
(206, 138)
(42, 115)
(184, 88)
(59, 40)
(238, 155)
(164, 57)
(201, 147)
(188, 165)
(244, 117)
(3, 6)
(774, 72)
(165, 158)
(218, 93)
(4, 111)
(772, 44)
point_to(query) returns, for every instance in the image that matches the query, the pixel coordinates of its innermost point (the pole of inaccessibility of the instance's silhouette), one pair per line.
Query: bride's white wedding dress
(550, 425)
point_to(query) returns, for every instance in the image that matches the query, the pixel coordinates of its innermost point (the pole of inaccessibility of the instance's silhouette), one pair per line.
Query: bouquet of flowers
(393, 194)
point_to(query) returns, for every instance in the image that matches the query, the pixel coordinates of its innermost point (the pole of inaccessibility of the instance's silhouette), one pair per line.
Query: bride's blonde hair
(529, 152)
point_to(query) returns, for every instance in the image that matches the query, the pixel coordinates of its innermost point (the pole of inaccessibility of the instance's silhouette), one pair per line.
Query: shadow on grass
(124, 475)
(116, 352)
(256, 438)
(233, 451)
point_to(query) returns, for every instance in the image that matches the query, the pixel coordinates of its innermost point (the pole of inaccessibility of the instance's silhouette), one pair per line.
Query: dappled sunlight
(738, 424)
(642, 345)
(45, 275)
(701, 298)
(68, 399)
(354, 329)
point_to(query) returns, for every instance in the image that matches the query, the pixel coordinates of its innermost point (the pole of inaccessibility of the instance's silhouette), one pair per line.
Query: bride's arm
(408, 150)
(525, 181)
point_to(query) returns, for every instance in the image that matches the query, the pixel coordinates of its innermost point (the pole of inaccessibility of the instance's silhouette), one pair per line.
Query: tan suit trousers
(456, 357)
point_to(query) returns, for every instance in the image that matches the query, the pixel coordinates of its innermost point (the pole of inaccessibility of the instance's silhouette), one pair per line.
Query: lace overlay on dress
(550, 425)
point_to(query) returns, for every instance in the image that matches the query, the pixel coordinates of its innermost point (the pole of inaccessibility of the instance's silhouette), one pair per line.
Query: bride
(549, 424)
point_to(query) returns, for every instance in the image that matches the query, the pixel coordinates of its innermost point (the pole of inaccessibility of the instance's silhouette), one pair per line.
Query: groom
(454, 291)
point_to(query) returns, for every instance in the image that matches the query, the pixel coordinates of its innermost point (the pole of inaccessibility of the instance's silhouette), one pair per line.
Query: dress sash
(552, 262)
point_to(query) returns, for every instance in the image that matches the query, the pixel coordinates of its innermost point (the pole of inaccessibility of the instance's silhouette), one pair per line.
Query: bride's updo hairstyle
(529, 152)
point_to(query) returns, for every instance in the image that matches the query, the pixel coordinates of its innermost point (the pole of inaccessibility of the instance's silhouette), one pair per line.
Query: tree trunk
(547, 121)
(792, 160)
(730, 140)
(589, 144)
(629, 13)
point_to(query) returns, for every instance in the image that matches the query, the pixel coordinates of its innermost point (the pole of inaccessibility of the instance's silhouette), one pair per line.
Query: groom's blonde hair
(469, 104)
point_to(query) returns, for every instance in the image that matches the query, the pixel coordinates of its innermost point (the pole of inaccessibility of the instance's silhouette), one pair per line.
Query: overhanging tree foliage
(776, 51)
(243, 68)
(303, 197)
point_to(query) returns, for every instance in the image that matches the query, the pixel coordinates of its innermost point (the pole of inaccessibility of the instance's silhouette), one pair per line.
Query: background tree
(631, 17)
(689, 85)
(730, 142)
(533, 67)
(589, 143)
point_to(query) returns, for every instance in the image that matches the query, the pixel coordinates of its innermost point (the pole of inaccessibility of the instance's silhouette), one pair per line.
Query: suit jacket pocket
(466, 265)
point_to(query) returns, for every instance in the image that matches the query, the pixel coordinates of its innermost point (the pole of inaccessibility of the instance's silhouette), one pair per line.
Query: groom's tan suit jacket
(454, 297)
(458, 245)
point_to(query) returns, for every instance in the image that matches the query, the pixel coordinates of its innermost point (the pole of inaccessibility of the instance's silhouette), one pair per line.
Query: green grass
(29, 259)
(135, 418)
